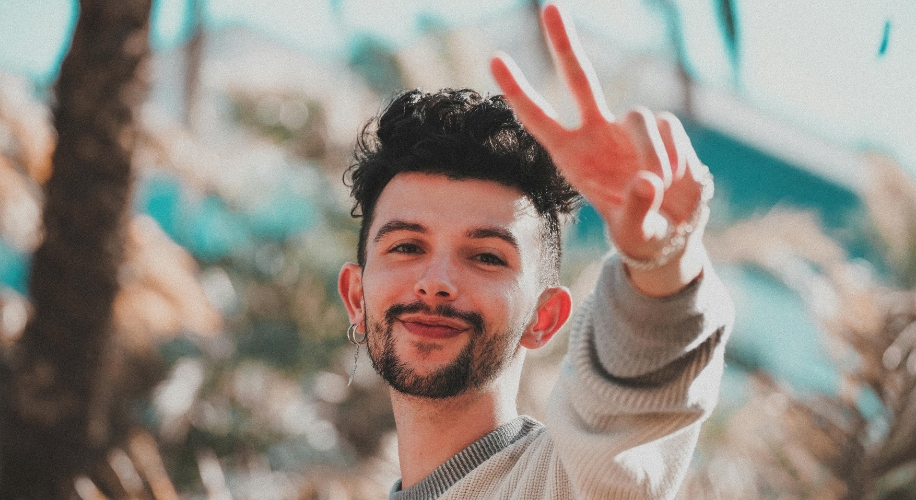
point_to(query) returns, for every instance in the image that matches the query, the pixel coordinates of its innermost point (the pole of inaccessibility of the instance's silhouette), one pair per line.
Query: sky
(844, 70)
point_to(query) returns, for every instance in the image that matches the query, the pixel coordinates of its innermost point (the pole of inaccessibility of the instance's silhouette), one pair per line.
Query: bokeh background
(221, 364)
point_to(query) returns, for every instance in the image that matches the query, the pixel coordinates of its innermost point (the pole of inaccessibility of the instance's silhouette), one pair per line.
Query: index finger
(532, 110)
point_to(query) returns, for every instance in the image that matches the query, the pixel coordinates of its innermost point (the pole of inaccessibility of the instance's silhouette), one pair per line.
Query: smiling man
(458, 276)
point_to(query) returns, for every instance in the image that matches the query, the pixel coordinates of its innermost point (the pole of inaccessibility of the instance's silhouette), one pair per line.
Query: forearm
(641, 375)
(636, 334)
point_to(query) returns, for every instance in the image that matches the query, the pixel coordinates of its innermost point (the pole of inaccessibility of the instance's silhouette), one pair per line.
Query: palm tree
(52, 430)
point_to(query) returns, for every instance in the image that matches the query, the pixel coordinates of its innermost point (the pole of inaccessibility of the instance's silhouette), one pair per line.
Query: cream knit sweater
(640, 377)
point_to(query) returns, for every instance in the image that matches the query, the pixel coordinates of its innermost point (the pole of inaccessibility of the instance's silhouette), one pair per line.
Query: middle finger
(578, 70)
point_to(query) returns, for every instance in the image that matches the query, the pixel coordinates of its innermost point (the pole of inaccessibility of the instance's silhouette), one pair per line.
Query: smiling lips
(435, 327)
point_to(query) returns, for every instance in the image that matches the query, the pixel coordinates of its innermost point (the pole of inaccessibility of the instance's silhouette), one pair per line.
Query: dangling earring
(357, 341)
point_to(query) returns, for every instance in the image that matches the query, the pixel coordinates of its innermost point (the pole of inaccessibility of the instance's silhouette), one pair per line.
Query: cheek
(523, 303)
(375, 302)
(505, 308)
(380, 284)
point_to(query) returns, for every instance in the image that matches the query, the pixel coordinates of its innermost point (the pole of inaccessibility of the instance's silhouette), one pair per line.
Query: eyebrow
(476, 233)
(493, 232)
(399, 225)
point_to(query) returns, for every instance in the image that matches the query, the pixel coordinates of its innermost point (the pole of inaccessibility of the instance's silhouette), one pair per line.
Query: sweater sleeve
(640, 377)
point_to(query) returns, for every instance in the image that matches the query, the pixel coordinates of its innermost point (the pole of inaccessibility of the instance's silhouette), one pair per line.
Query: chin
(432, 352)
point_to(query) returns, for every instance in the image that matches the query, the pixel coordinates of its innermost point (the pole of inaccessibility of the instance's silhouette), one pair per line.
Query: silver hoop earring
(352, 336)
(357, 341)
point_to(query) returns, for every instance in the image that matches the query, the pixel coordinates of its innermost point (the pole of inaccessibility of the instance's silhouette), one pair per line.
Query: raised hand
(639, 172)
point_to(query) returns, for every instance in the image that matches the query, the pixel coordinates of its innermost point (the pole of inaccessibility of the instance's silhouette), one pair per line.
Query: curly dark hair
(462, 135)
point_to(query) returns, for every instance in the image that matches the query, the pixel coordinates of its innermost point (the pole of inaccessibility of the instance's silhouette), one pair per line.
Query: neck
(430, 431)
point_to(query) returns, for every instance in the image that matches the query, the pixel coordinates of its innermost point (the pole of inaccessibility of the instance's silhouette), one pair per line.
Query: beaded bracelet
(677, 238)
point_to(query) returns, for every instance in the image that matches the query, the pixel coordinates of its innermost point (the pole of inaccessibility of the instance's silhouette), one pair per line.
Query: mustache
(445, 310)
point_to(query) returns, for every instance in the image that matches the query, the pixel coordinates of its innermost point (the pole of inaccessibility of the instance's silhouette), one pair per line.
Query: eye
(490, 259)
(406, 248)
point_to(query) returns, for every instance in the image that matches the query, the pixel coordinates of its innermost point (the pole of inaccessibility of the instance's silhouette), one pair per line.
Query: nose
(436, 281)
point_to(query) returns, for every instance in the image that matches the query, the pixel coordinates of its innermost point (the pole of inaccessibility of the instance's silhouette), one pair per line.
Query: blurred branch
(193, 60)
(729, 20)
(676, 36)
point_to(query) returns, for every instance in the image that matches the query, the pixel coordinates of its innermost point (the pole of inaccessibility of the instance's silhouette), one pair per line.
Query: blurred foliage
(377, 63)
(859, 442)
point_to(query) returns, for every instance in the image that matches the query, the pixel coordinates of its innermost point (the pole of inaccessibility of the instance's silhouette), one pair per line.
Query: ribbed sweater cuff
(650, 332)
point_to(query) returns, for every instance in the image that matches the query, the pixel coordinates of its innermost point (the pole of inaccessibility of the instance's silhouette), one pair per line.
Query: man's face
(450, 282)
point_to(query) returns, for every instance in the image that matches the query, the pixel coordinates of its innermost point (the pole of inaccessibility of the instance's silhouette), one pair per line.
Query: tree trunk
(51, 377)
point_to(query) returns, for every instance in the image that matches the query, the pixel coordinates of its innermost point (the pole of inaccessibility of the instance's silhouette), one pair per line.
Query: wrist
(671, 277)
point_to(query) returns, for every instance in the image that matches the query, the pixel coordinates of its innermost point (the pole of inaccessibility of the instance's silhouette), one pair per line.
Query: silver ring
(351, 336)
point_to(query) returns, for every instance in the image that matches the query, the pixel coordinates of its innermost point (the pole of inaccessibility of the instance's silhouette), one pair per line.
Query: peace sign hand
(639, 172)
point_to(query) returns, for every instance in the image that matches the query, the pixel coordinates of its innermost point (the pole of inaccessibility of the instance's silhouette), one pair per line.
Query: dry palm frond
(26, 123)
(136, 474)
(161, 295)
(20, 208)
(842, 446)
(145, 453)
(891, 201)
(26, 144)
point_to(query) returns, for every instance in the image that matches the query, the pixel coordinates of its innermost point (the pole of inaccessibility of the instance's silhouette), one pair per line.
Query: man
(457, 277)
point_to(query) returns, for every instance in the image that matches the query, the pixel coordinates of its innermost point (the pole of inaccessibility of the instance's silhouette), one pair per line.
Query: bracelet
(677, 239)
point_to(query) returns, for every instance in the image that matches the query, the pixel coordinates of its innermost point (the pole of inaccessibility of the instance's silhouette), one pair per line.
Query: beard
(478, 363)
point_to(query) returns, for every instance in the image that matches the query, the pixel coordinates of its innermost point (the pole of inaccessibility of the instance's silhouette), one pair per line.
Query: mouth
(433, 327)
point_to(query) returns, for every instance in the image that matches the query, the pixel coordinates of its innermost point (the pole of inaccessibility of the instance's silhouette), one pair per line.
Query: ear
(554, 307)
(350, 287)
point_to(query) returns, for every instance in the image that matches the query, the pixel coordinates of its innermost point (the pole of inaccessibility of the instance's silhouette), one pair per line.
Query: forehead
(444, 204)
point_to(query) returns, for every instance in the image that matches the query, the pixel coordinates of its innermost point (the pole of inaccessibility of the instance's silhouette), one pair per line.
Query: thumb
(641, 207)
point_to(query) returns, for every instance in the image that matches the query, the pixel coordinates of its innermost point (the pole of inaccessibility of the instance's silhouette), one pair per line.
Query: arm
(646, 349)
(641, 376)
